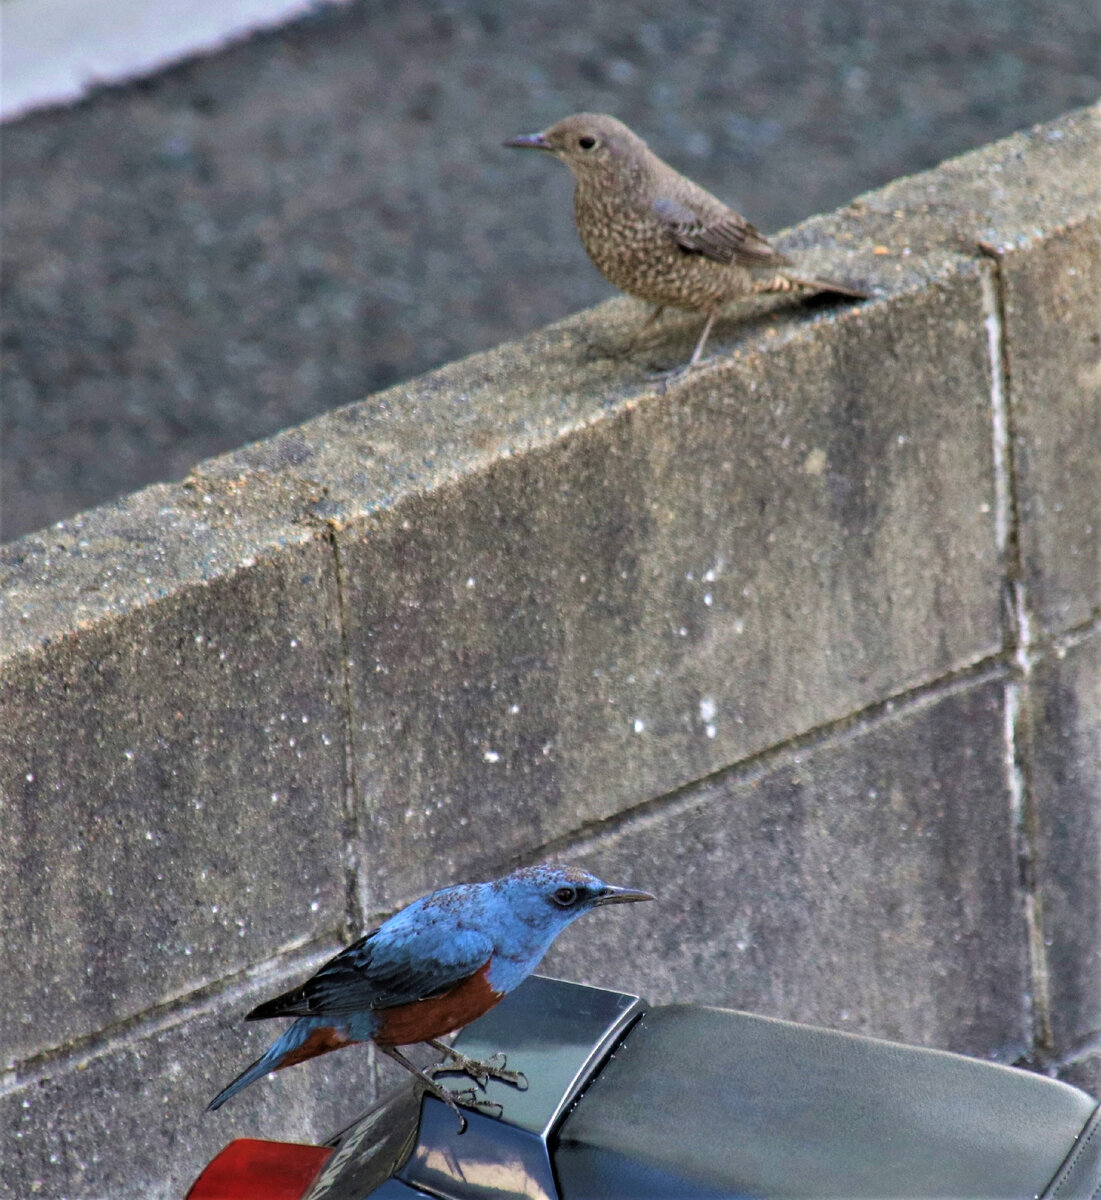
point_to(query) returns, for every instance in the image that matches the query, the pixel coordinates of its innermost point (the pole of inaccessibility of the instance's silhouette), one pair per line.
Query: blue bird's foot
(468, 1097)
(494, 1067)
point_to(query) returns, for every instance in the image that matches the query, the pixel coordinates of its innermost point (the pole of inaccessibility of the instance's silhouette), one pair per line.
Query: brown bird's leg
(640, 332)
(693, 362)
(467, 1098)
(480, 1072)
(703, 340)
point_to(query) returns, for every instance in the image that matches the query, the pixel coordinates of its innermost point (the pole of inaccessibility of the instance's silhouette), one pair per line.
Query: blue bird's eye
(565, 896)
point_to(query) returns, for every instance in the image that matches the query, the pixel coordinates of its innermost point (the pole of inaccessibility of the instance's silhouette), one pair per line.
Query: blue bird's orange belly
(439, 1015)
(321, 1041)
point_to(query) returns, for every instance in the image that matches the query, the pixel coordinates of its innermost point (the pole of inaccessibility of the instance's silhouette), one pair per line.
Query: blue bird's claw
(468, 1098)
(454, 1068)
(489, 1107)
(497, 1065)
(481, 1071)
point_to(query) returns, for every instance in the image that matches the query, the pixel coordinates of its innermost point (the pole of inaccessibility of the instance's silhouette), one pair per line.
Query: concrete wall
(808, 643)
(237, 244)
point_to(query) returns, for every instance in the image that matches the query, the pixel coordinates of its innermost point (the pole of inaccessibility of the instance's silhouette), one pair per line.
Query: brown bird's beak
(529, 141)
(617, 895)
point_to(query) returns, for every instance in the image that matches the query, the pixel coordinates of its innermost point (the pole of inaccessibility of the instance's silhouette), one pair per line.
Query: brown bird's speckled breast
(632, 248)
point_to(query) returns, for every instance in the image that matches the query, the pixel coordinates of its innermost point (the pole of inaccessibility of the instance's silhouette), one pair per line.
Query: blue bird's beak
(529, 141)
(618, 895)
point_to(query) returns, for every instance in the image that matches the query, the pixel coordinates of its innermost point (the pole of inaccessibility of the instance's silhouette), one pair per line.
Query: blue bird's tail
(260, 1067)
(306, 1038)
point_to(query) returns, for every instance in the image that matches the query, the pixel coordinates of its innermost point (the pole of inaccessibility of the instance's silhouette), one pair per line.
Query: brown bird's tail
(785, 283)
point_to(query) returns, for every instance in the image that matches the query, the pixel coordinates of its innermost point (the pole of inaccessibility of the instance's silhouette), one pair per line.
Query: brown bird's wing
(716, 232)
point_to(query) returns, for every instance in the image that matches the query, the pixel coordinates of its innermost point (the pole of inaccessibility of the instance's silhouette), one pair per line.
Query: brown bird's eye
(586, 142)
(565, 896)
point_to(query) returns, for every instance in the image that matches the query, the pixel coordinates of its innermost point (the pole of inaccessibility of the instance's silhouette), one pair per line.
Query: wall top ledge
(346, 466)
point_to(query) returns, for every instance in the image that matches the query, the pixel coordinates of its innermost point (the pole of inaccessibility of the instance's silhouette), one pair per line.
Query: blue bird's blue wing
(385, 968)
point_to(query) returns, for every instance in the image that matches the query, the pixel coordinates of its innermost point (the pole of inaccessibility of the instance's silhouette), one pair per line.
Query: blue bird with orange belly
(432, 968)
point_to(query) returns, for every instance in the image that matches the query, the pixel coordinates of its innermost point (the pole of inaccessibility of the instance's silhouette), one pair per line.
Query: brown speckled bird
(657, 235)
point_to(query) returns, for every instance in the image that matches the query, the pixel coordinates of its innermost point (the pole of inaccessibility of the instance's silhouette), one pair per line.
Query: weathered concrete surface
(703, 574)
(1053, 324)
(619, 500)
(867, 883)
(1084, 1071)
(1066, 783)
(1043, 309)
(132, 1121)
(484, 571)
(235, 245)
(171, 789)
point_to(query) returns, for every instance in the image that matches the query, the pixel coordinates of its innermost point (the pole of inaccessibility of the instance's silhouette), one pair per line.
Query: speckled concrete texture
(130, 1120)
(537, 603)
(206, 256)
(1054, 331)
(867, 883)
(172, 796)
(1084, 1071)
(1066, 781)
(772, 546)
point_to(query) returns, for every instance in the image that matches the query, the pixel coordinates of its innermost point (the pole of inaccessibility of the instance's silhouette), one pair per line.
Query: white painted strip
(994, 340)
(54, 51)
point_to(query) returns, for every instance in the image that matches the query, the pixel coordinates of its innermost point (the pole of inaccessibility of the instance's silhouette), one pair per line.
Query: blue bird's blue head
(555, 896)
(535, 904)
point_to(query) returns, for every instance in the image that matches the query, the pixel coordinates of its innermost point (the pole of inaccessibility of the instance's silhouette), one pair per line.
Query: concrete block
(1033, 201)
(171, 778)
(1066, 786)
(866, 883)
(1053, 323)
(1084, 1072)
(682, 582)
(537, 546)
(563, 593)
(130, 1121)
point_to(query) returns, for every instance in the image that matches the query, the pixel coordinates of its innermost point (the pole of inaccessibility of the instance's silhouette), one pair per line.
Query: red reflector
(249, 1169)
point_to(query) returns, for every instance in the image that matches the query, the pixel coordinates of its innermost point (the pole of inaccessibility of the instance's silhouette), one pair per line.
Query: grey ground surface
(197, 260)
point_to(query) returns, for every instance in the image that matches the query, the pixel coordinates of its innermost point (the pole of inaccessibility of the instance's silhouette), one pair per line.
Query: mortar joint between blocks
(1017, 646)
(355, 900)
